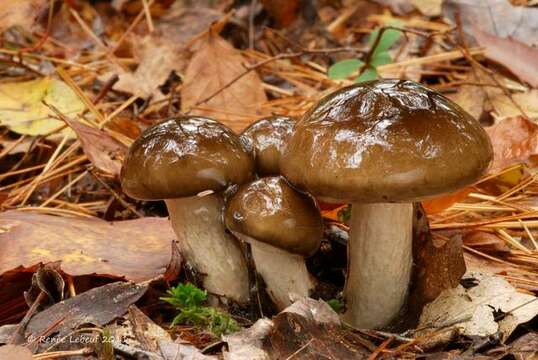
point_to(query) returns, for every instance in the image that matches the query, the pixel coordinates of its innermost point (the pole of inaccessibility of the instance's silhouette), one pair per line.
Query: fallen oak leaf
(217, 86)
(137, 250)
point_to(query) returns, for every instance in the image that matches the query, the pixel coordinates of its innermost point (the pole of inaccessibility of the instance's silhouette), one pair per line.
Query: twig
(115, 194)
(265, 62)
(300, 349)
(63, 354)
(380, 348)
(106, 88)
(22, 324)
(45, 36)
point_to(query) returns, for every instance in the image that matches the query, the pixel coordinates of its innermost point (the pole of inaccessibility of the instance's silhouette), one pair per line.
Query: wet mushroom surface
(283, 226)
(188, 161)
(382, 145)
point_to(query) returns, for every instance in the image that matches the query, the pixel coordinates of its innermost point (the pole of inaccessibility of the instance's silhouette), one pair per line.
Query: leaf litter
(114, 70)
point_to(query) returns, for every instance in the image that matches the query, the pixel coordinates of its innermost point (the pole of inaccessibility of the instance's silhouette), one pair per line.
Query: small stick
(147, 12)
(22, 324)
(116, 195)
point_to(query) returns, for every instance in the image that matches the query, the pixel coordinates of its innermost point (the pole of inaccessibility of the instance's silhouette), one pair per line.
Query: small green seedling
(380, 56)
(189, 301)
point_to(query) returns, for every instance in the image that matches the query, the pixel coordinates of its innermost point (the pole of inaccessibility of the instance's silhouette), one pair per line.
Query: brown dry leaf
(163, 52)
(471, 98)
(180, 23)
(97, 306)
(307, 329)
(482, 239)
(431, 8)
(212, 68)
(526, 101)
(514, 140)
(103, 151)
(135, 249)
(15, 352)
(23, 13)
(472, 311)
(438, 264)
(497, 17)
(516, 56)
(284, 12)
(158, 57)
(525, 347)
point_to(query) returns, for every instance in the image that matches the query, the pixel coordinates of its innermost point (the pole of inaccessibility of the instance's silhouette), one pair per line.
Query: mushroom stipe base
(197, 222)
(380, 254)
(285, 274)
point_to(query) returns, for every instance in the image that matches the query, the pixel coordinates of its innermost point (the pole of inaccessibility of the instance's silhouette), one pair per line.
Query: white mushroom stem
(198, 224)
(380, 257)
(285, 274)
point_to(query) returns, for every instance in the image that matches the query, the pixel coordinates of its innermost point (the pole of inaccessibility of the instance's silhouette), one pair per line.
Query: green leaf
(344, 68)
(388, 39)
(381, 58)
(336, 305)
(344, 214)
(367, 75)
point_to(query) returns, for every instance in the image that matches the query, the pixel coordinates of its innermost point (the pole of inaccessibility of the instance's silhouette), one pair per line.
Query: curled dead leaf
(102, 149)
(474, 311)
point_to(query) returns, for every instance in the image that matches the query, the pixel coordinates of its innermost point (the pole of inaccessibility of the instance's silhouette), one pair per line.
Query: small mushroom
(283, 226)
(188, 161)
(267, 138)
(382, 145)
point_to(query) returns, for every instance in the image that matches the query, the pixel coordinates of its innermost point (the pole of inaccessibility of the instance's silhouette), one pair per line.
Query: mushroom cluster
(379, 145)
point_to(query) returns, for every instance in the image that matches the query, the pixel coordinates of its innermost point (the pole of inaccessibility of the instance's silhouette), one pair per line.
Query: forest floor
(83, 267)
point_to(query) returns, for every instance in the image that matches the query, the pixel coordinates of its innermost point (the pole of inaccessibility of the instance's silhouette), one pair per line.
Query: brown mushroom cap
(182, 157)
(267, 137)
(271, 211)
(385, 141)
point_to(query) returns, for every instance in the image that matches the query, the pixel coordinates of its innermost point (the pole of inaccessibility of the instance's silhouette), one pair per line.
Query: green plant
(336, 304)
(378, 56)
(189, 301)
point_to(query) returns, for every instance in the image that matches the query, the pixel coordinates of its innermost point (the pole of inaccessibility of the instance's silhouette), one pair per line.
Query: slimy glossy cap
(182, 157)
(267, 137)
(269, 210)
(385, 141)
